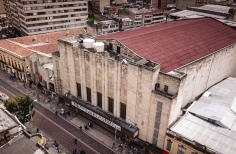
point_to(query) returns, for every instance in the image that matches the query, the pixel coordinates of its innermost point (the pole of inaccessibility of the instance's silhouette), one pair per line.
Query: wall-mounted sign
(96, 116)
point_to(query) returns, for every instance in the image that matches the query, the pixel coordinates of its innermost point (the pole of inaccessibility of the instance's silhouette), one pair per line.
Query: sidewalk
(103, 136)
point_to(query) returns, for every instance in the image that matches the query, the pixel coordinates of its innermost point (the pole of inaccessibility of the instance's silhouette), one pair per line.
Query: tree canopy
(19, 106)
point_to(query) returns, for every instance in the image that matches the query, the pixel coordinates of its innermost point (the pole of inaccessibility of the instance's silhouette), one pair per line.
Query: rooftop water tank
(99, 46)
(88, 43)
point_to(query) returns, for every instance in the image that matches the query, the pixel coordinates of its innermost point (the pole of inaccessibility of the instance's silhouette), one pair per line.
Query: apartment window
(181, 150)
(123, 110)
(118, 49)
(79, 90)
(99, 99)
(166, 89)
(159, 4)
(88, 90)
(157, 86)
(110, 104)
(168, 146)
(126, 24)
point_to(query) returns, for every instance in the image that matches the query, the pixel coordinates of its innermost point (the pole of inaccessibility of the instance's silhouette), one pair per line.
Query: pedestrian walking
(75, 151)
(80, 127)
(57, 149)
(75, 141)
(56, 112)
(113, 145)
(55, 142)
(24, 85)
(37, 130)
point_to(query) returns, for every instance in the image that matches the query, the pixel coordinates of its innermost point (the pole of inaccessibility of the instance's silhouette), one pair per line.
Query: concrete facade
(123, 77)
(183, 4)
(2, 8)
(37, 17)
(202, 74)
(40, 68)
(142, 17)
(128, 83)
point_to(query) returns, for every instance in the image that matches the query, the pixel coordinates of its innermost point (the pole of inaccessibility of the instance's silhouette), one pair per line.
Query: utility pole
(115, 136)
(30, 112)
(37, 93)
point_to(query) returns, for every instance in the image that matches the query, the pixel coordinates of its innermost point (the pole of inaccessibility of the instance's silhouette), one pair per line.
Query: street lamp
(115, 138)
(37, 92)
(30, 112)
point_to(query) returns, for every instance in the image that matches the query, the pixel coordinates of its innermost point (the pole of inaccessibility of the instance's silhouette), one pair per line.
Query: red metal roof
(177, 43)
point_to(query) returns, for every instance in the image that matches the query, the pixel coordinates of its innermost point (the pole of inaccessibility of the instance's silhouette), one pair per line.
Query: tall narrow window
(166, 89)
(168, 146)
(79, 90)
(88, 90)
(110, 105)
(118, 49)
(181, 150)
(99, 99)
(123, 110)
(159, 4)
(157, 86)
(110, 46)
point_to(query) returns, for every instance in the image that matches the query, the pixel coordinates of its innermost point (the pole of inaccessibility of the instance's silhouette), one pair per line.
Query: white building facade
(37, 17)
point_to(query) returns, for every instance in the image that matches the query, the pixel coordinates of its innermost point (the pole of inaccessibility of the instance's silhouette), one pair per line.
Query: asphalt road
(60, 129)
(5, 88)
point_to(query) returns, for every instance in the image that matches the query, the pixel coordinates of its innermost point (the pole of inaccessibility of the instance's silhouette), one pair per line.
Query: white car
(3, 97)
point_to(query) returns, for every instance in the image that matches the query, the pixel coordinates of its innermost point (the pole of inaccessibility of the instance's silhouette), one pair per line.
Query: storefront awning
(103, 116)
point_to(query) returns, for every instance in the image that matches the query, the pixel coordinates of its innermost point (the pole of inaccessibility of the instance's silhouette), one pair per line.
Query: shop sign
(96, 116)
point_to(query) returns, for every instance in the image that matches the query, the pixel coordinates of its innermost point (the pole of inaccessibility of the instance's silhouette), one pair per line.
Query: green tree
(11, 105)
(19, 106)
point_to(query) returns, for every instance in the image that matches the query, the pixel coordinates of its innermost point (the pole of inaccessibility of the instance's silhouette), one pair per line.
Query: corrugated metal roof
(6, 122)
(195, 14)
(217, 138)
(220, 105)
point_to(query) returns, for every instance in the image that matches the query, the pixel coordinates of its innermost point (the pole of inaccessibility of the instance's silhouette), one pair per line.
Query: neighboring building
(2, 7)
(142, 17)
(112, 9)
(125, 23)
(29, 58)
(108, 26)
(232, 12)
(99, 5)
(224, 14)
(183, 4)
(37, 17)
(139, 84)
(156, 4)
(10, 128)
(209, 124)
(115, 25)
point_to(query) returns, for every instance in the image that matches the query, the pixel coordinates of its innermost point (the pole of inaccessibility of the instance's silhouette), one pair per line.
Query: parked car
(3, 97)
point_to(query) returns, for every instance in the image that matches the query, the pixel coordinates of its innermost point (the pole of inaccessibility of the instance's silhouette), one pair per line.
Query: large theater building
(135, 82)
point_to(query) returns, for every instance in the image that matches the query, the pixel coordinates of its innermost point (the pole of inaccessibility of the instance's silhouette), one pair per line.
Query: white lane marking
(68, 133)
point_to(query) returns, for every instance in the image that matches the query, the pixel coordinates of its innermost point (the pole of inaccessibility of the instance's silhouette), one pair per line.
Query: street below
(58, 128)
